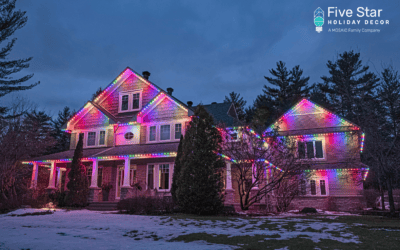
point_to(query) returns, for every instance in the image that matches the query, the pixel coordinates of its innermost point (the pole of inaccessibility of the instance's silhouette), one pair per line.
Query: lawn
(83, 229)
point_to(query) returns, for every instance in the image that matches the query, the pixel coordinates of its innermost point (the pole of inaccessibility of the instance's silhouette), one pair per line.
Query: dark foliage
(78, 182)
(10, 21)
(62, 138)
(308, 210)
(200, 183)
(239, 103)
(177, 172)
(146, 205)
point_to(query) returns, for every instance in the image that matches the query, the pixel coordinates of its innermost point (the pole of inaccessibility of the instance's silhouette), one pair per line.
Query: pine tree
(288, 87)
(10, 21)
(98, 92)
(239, 103)
(177, 172)
(78, 182)
(200, 181)
(349, 85)
(62, 138)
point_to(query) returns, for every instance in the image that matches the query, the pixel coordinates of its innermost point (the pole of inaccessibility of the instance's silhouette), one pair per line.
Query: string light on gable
(362, 142)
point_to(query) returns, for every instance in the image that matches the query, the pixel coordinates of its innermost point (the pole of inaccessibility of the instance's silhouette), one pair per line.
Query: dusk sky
(202, 49)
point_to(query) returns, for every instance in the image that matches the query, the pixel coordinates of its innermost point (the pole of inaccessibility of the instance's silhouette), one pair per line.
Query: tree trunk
(390, 195)
(382, 195)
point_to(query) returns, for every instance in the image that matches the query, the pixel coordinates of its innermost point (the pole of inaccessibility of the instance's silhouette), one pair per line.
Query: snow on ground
(83, 229)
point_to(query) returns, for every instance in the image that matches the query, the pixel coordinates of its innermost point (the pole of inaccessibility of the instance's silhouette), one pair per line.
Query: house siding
(94, 118)
(167, 110)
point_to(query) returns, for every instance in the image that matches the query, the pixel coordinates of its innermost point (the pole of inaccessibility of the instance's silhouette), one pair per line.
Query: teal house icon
(318, 19)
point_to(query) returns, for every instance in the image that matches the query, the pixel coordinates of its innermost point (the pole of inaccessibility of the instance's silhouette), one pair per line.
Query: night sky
(202, 49)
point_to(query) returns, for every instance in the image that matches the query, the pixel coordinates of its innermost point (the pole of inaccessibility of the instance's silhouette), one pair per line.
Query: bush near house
(146, 205)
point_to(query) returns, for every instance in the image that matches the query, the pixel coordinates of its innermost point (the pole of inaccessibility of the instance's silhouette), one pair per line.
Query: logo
(318, 19)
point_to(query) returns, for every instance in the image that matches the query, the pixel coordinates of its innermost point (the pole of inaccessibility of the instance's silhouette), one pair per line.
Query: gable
(90, 119)
(308, 115)
(133, 82)
(163, 109)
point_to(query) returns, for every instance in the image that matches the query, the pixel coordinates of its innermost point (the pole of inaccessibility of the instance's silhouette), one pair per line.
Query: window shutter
(310, 149)
(143, 131)
(110, 138)
(318, 149)
(322, 186)
(313, 187)
(301, 150)
(73, 141)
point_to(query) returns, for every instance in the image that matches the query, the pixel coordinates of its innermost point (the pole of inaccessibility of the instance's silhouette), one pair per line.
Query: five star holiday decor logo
(318, 19)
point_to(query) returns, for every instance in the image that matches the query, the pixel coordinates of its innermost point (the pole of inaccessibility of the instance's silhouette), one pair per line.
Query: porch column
(35, 172)
(52, 180)
(127, 172)
(228, 176)
(95, 171)
(59, 178)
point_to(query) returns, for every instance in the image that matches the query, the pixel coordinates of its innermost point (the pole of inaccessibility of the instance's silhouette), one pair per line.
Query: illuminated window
(310, 149)
(150, 177)
(91, 141)
(152, 133)
(165, 132)
(163, 176)
(178, 131)
(102, 139)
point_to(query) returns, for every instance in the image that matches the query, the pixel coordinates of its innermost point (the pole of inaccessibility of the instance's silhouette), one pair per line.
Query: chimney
(146, 75)
(170, 90)
(190, 104)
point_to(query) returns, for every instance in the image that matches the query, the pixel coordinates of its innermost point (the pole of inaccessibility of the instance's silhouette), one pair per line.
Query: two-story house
(131, 133)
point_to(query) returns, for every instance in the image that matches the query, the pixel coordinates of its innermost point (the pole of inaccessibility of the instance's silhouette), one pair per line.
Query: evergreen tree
(98, 92)
(200, 181)
(239, 103)
(78, 182)
(177, 172)
(62, 138)
(10, 21)
(349, 85)
(288, 87)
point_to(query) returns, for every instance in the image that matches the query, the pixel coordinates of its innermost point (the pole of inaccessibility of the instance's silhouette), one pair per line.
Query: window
(135, 100)
(102, 139)
(152, 133)
(163, 176)
(132, 175)
(178, 131)
(130, 101)
(322, 187)
(313, 187)
(91, 141)
(311, 149)
(165, 132)
(129, 136)
(150, 177)
(89, 175)
(100, 176)
(124, 102)
(303, 190)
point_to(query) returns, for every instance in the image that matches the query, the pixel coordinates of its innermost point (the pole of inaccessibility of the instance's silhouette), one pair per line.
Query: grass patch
(32, 214)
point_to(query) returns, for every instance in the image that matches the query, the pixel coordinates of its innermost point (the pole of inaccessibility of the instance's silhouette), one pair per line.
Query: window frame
(130, 101)
(97, 137)
(317, 186)
(158, 131)
(314, 139)
(156, 184)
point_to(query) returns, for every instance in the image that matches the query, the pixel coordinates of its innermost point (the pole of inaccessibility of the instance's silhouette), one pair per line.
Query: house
(131, 133)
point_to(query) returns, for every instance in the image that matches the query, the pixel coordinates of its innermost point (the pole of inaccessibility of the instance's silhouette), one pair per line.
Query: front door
(120, 179)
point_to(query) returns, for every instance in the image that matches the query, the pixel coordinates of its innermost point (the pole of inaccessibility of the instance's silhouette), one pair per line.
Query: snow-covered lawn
(83, 229)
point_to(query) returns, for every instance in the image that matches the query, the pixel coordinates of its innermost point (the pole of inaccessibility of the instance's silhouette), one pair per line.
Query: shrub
(58, 198)
(9, 205)
(371, 195)
(146, 205)
(308, 210)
